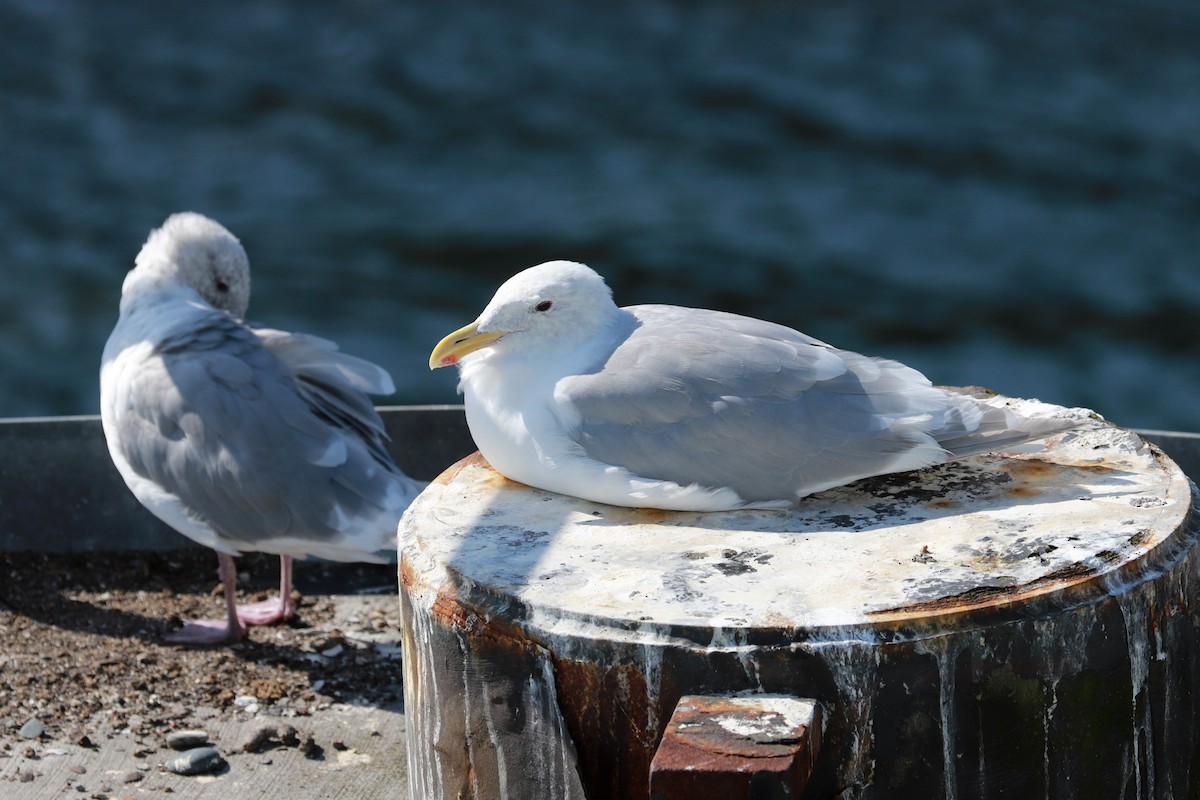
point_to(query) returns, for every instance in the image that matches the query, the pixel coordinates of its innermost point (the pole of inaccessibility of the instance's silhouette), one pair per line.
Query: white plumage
(239, 437)
(678, 408)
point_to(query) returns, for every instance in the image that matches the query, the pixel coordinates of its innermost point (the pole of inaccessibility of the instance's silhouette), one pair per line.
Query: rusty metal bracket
(737, 746)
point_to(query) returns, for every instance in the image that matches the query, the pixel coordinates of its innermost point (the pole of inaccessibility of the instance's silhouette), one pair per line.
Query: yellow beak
(460, 343)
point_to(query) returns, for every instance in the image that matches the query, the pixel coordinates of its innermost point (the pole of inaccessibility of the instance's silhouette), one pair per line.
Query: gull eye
(222, 286)
(543, 306)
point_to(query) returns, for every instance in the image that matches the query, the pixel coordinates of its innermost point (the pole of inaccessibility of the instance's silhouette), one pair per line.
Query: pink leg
(215, 631)
(279, 609)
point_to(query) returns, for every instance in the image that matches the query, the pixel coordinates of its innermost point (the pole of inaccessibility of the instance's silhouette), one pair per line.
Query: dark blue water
(998, 193)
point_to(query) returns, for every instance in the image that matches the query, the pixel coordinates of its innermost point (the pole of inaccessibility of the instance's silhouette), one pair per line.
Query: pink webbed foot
(215, 631)
(266, 612)
(275, 610)
(206, 631)
(238, 617)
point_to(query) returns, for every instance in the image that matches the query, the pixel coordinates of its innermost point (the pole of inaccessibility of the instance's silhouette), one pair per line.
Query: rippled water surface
(998, 193)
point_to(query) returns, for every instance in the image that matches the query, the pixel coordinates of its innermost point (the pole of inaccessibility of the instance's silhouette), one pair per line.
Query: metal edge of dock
(59, 491)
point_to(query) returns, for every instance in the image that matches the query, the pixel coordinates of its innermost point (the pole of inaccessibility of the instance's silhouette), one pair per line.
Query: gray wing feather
(307, 354)
(335, 384)
(717, 399)
(256, 449)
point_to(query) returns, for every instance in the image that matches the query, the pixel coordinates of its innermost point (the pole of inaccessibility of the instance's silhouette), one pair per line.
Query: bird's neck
(516, 372)
(151, 312)
(145, 289)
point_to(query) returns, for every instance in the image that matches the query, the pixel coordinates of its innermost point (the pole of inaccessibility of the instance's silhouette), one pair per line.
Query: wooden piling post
(1006, 625)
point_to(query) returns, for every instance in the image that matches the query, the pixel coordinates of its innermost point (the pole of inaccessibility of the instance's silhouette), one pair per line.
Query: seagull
(242, 438)
(658, 406)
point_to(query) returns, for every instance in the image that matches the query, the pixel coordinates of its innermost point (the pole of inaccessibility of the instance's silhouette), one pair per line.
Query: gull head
(551, 308)
(193, 250)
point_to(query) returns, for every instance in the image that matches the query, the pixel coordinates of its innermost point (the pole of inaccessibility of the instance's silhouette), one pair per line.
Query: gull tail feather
(975, 426)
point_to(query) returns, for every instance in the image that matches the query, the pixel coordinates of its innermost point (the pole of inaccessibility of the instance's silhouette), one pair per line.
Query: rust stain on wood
(476, 459)
(608, 711)
(978, 596)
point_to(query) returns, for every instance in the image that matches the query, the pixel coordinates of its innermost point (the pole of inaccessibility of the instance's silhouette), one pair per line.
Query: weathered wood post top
(933, 616)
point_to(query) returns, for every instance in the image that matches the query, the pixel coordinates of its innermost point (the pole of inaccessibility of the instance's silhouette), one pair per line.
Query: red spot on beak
(449, 360)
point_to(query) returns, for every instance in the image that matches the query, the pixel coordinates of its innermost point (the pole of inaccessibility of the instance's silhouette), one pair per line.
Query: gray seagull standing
(240, 437)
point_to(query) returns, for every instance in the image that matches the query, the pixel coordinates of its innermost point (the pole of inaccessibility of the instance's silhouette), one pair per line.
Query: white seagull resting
(665, 407)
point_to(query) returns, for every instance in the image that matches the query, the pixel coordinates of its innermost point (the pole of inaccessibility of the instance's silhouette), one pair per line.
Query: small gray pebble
(196, 761)
(186, 740)
(32, 729)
